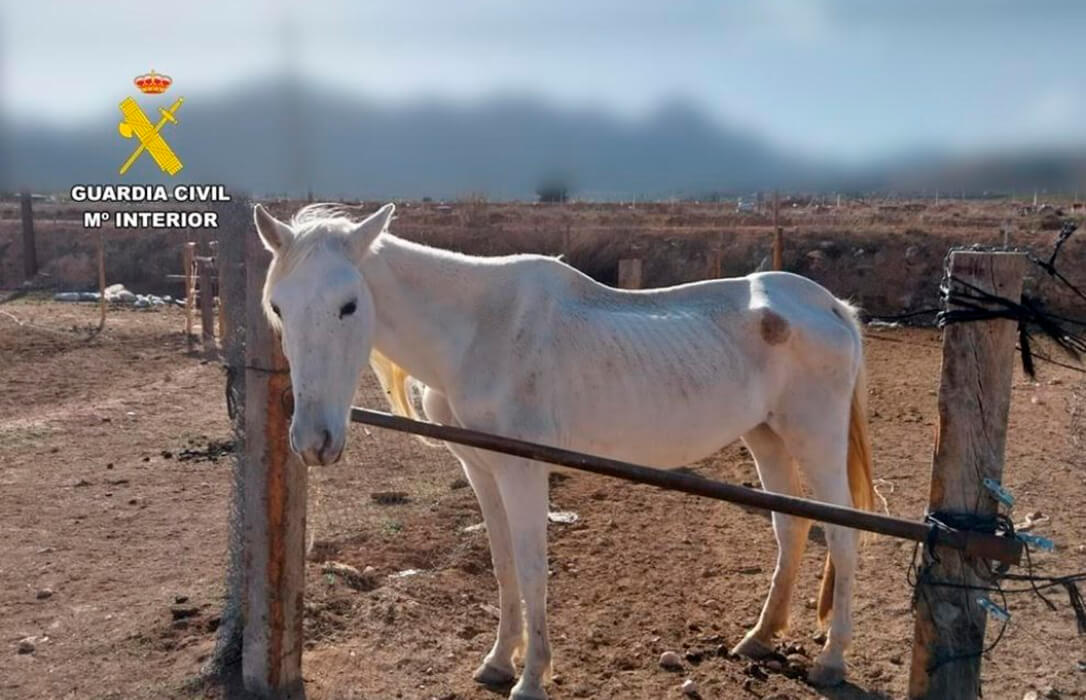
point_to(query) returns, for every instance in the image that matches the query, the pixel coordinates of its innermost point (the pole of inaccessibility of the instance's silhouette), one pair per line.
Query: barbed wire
(964, 302)
(1049, 265)
(919, 575)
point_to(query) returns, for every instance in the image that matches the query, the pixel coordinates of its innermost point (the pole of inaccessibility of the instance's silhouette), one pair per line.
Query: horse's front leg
(523, 488)
(497, 667)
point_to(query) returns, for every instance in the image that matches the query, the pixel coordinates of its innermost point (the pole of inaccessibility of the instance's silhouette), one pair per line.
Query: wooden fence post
(220, 322)
(718, 257)
(101, 280)
(30, 250)
(236, 222)
(274, 506)
(188, 255)
(207, 303)
(778, 234)
(974, 400)
(629, 273)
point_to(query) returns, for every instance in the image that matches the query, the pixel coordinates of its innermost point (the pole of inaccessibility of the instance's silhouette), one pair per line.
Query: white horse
(528, 347)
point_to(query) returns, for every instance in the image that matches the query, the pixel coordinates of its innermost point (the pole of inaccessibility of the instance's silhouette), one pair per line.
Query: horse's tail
(395, 382)
(860, 479)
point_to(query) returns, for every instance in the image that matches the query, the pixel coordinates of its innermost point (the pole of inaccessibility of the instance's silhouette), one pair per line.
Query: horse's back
(763, 307)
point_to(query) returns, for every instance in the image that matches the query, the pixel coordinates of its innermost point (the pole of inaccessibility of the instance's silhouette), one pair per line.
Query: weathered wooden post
(30, 250)
(274, 505)
(101, 280)
(188, 255)
(235, 221)
(220, 322)
(207, 303)
(629, 273)
(778, 234)
(974, 400)
(718, 257)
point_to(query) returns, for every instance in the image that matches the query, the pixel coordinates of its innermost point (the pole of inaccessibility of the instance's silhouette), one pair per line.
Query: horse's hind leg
(523, 487)
(823, 455)
(777, 471)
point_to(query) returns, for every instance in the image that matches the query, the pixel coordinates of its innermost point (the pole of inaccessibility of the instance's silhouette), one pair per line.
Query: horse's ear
(273, 232)
(363, 236)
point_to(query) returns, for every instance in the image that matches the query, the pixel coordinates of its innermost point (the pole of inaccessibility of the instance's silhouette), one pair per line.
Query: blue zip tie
(1002, 495)
(994, 610)
(1036, 541)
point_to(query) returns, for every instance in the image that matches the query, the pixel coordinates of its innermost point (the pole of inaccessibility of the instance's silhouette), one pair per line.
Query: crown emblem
(153, 83)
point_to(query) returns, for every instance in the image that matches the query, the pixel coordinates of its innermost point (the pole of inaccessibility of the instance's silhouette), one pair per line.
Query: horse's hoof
(753, 648)
(825, 676)
(488, 674)
(527, 694)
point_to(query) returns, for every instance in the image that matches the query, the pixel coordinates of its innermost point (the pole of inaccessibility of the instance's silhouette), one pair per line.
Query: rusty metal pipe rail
(977, 544)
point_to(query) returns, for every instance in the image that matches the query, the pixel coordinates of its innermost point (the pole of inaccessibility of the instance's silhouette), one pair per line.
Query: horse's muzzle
(320, 447)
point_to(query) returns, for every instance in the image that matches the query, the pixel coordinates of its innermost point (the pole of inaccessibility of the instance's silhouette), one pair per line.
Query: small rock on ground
(359, 580)
(670, 661)
(689, 688)
(182, 611)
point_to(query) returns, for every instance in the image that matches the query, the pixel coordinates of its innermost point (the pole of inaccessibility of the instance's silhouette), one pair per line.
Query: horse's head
(316, 296)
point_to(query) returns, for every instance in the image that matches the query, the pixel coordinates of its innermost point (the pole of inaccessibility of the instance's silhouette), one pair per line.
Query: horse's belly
(660, 433)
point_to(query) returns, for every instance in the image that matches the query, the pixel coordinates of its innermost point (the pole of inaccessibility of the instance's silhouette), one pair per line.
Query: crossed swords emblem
(136, 124)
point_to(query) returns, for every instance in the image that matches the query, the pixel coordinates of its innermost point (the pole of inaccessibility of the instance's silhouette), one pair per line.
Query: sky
(849, 79)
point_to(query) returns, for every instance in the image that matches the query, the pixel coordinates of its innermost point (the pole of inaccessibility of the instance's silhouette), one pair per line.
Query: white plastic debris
(118, 294)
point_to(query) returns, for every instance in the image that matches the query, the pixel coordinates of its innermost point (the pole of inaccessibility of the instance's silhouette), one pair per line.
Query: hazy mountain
(264, 141)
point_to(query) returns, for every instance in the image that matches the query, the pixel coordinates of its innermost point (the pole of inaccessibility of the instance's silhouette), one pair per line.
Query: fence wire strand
(965, 302)
(919, 575)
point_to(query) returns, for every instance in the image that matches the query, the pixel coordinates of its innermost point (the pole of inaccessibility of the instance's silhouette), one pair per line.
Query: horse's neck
(426, 302)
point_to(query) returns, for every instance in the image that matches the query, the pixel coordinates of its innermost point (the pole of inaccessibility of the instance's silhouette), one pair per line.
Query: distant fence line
(887, 267)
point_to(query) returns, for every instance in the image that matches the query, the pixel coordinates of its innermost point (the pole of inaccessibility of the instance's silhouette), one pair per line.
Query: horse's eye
(276, 310)
(347, 309)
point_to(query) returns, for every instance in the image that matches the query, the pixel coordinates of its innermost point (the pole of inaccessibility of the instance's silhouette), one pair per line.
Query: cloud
(767, 25)
(802, 22)
(1057, 108)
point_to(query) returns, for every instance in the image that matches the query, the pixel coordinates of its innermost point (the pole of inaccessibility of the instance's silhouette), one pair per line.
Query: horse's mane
(325, 214)
(326, 225)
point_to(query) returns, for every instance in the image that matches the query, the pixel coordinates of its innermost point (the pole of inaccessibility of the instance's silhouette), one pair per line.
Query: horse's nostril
(326, 446)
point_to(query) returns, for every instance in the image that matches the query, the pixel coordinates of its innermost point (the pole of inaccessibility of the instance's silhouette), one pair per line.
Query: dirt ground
(113, 521)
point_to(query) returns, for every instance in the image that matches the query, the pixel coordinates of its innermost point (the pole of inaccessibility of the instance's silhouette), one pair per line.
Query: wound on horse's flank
(775, 328)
